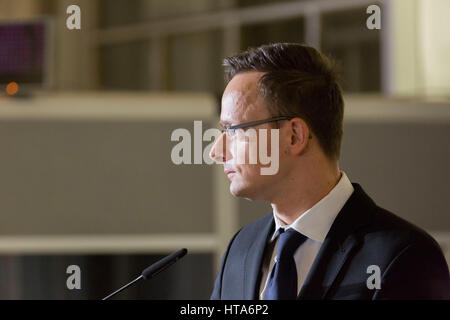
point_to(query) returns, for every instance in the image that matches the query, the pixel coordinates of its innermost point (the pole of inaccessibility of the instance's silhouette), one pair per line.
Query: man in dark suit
(326, 238)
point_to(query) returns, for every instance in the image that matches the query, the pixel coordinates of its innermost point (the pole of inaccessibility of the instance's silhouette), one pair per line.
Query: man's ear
(299, 135)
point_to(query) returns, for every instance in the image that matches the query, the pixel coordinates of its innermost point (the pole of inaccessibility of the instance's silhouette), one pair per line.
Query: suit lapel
(326, 267)
(253, 260)
(338, 245)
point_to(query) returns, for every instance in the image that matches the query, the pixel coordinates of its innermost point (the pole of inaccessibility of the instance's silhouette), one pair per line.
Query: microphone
(154, 269)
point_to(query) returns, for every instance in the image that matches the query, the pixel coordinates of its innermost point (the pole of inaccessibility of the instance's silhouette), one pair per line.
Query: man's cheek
(238, 152)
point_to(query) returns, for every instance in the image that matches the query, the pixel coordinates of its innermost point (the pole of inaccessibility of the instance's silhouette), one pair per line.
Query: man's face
(242, 102)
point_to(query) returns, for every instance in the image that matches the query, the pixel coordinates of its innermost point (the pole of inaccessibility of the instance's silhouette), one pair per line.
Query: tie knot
(288, 243)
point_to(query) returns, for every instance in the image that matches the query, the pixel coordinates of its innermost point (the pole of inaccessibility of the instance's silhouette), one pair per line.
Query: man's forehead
(245, 81)
(241, 98)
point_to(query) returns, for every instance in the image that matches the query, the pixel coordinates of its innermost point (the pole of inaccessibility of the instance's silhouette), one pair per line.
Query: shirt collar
(315, 222)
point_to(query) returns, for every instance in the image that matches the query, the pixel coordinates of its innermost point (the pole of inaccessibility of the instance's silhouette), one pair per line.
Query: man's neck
(303, 193)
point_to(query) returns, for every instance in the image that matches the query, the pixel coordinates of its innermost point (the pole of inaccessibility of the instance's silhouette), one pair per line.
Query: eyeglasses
(230, 131)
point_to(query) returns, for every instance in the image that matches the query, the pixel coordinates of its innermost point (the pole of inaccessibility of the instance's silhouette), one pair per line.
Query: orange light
(12, 88)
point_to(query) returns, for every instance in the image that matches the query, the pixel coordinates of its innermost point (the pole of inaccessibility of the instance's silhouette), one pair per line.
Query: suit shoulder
(259, 223)
(390, 227)
(249, 232)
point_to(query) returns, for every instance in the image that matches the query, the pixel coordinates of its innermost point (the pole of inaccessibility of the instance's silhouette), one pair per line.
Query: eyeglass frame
(256, 123)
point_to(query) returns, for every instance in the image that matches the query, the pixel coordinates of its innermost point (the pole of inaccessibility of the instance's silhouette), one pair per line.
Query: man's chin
(240, 191)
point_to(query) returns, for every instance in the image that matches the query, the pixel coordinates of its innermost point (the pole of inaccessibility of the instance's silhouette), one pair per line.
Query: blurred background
(86, 117)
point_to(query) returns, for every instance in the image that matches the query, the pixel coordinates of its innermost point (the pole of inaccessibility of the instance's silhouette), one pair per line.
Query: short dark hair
(298, 81)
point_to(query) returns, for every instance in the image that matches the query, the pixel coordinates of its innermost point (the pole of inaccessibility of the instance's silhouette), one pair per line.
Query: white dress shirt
(314, 224)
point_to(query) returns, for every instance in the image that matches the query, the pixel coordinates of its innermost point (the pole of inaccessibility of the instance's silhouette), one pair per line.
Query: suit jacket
(410, 262)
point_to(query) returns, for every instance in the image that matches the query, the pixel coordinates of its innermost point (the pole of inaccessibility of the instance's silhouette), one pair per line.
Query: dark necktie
(282, 283)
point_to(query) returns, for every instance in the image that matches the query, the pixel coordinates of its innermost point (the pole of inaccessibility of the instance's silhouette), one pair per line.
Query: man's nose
(218, 151)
